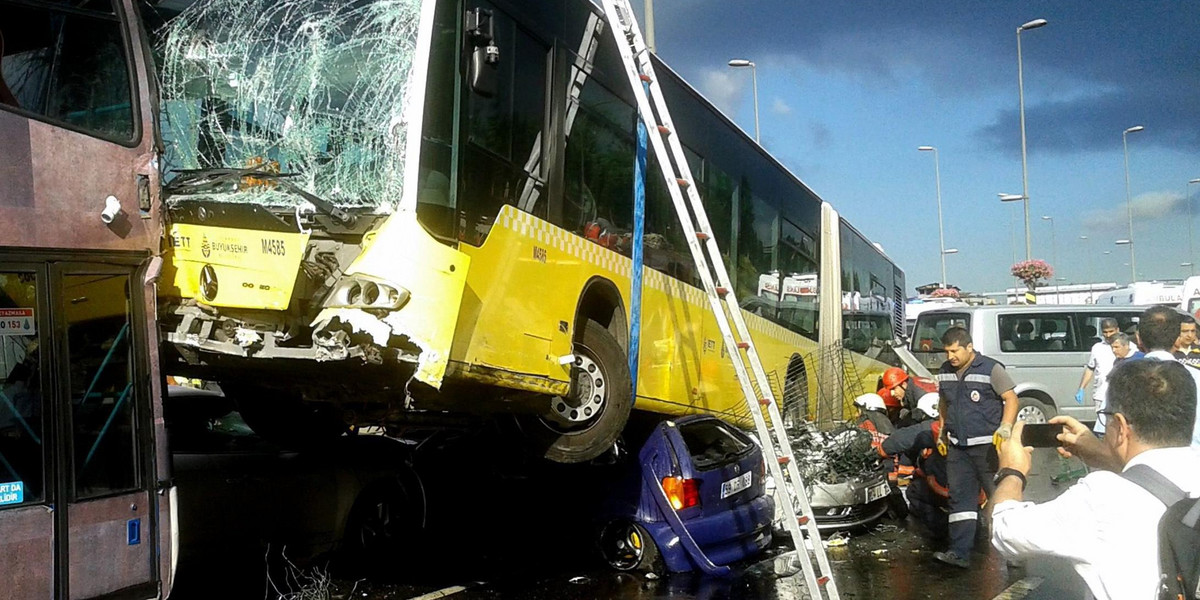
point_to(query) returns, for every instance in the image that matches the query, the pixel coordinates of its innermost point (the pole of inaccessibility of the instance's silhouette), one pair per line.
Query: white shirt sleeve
(1062, 527)
(1092, 362)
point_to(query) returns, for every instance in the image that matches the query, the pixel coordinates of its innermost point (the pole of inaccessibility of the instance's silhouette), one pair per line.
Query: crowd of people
(963, 448)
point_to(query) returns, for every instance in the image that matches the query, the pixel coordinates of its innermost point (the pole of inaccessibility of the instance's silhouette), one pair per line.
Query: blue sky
(849, 90)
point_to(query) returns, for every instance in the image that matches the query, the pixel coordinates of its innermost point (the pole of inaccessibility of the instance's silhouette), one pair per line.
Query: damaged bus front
(291, 130)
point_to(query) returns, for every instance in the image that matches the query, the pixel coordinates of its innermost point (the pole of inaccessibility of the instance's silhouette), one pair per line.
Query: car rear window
(713, 443)
(927, 336)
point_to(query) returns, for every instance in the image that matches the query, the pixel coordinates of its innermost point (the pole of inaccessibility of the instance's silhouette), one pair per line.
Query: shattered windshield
(314, 88)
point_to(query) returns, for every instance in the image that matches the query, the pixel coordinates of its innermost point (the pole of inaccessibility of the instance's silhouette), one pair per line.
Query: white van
(1191, 295)
(1145, 293)
(1043, 347)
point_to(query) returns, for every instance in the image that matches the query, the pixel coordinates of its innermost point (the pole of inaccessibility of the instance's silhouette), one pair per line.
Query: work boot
(952, 559)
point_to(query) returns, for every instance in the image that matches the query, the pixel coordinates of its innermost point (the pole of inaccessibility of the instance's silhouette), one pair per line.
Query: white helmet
(870, 402)
(928, 404)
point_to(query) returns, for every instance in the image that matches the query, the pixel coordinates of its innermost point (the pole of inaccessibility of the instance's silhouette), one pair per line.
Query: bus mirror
(485, 55)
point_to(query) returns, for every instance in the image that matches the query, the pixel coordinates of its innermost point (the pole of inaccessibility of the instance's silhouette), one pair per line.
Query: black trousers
(969, 469)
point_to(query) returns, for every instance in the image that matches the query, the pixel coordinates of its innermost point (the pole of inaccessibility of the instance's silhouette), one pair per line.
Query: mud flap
(403, 254)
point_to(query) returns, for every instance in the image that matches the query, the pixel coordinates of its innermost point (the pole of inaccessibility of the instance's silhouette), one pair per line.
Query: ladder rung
(663, 129)
(700, 235)
(683, 183)
(803, 519)
(743, 345)
(764, 401)
(645, 78)
(783, 460)
(722, 292)
(822, 580)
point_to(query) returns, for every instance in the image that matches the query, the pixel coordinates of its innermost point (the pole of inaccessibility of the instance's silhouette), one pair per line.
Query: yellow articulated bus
(385, 212)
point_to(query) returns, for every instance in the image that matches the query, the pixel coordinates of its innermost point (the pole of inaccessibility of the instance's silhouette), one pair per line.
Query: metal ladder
(791, 493)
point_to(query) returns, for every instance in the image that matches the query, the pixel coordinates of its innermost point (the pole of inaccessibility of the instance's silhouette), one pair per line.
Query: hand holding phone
(1041, 435)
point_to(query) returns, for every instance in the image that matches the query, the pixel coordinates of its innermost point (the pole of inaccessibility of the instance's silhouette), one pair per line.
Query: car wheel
(1032, 410)
(627, 546)
(386, 523)
(586, 423)
(282, 416)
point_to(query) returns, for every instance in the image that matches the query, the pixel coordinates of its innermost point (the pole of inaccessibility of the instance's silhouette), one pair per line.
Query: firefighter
(978, 406)
(899, 394)
(872, 416)
(927, 493)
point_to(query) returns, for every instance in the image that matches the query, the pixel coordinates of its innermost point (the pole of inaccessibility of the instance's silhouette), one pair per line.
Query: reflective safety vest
(973, 409)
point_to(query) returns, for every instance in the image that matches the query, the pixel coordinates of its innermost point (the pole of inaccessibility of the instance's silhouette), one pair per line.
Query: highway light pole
(1053, 242)
(1132, 270)
(1191, 255)
(1034, 24)
(937, 173)
(741, 62)
(1129, 200)
(1087, 251)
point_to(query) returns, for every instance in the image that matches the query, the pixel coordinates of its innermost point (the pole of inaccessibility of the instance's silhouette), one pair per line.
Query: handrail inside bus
(112, 349)
(108, 423)
(20, 419)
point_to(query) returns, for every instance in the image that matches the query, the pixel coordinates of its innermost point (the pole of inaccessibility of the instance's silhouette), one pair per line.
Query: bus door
(77, 510)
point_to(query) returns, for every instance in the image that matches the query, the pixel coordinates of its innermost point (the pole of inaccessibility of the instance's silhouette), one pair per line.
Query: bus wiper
(192, 181)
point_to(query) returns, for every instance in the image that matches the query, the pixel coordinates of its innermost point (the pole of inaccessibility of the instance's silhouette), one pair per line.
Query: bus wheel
(282, 416)
(586, 423)
(795, 392)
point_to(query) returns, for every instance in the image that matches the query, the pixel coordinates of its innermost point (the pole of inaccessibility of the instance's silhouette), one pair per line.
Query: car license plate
(876, 492)
(735, 485)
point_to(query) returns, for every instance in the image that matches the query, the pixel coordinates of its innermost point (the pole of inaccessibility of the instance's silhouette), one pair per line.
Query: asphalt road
(507, 549)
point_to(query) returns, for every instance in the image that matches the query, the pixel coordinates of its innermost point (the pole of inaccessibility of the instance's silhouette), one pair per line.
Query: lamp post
(1053, 241)
(1132, 267)
(937, 173)
(1191, 255)
(1087, 251)
(1012, 231)
(1034, 24)
(1129, 200)
(741, 62)
(650, 26)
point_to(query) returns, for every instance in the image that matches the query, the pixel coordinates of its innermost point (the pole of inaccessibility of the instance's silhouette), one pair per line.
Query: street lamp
(741, 62)
(650, 26)
(1053, 241)
(1012, 230)
(1087, 251)
(1132, 270)
(1191, 255)
(937, 173)
(1034, 24)
(1128, 199)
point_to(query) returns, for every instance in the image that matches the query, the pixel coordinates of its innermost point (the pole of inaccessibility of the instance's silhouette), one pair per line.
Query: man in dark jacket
(978, 406)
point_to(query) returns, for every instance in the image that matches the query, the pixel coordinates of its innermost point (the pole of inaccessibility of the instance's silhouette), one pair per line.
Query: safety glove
(1079, 397)
(1003, 433)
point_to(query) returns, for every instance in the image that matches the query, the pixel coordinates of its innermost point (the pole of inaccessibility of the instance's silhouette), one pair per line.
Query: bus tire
(282, 417)
(578, 442)
(795, 391)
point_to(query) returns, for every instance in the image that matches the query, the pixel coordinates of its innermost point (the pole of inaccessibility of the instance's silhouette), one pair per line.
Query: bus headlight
(358, 292)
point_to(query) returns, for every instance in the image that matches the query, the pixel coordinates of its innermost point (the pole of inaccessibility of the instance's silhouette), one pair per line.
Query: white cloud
(780, 107)
(725, 88)
(1150, 206)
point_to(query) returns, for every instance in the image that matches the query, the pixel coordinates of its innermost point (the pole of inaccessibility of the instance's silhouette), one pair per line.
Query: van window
(1089, 330)
(931, 326)
(1039, 333)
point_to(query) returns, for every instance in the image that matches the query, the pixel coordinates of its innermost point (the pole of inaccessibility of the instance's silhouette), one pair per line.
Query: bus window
(22, 455)
(757, 238)
(67, 65)
(500, 163)
(102, 403)
(599, 169)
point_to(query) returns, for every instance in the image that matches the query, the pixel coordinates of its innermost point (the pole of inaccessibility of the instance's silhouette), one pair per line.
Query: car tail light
(683, 493)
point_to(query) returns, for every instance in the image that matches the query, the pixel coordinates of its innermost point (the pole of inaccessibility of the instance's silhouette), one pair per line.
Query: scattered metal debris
(833, 456)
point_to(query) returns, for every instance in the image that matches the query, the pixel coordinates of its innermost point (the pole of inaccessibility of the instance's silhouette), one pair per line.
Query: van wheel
(1032, 410)
(585, 423)
(627, 546)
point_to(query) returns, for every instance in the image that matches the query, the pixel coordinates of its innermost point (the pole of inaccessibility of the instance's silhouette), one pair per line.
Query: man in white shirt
(1105, 524)
(1099, 364)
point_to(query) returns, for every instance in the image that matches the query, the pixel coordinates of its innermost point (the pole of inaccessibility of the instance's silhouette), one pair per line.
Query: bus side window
(68, 67)
(501, 160)
(22, 452)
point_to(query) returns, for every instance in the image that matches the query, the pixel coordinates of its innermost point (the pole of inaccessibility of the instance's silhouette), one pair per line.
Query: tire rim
(623, 546)
(589, 393)
(1031, 414)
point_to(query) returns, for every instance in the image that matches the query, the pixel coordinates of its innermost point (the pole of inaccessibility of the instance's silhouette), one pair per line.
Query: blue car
(694, 499)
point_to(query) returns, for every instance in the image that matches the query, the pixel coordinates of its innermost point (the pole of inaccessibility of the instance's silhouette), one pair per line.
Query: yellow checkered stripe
(551, 236)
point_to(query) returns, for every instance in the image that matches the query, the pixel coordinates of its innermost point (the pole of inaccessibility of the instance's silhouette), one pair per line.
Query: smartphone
(1041, 435)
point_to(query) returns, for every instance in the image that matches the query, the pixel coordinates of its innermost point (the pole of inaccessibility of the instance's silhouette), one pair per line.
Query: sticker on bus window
(12, 492)
(17, 321)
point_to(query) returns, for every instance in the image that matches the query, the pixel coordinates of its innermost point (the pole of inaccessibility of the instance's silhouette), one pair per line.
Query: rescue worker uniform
(973, 413)
(927, 492)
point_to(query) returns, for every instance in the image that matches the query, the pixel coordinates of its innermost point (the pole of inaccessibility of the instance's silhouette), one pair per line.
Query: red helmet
(894, 377)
